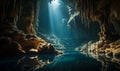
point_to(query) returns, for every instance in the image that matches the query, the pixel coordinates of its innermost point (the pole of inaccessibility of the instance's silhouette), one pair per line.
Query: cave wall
(27, 16)
(21, 13)
(105, 12)
(17, 27)
(24, 14)
(102, 12)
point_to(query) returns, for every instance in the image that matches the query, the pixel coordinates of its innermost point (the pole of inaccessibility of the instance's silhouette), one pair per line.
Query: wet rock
(34, 44)
(109, 54)
(47, 49)
(106, 46)
(28, 44)
(18, 35)
(116, 53)
(101, 51)
(28, 36)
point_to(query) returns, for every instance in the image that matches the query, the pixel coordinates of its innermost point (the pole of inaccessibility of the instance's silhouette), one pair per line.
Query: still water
(69, 61)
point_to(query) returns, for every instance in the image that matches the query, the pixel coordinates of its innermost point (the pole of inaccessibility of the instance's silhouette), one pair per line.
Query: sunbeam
(59, 35)
(55, 3)
(58, 23)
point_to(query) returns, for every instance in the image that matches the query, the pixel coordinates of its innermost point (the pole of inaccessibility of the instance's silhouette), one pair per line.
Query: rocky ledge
(16, 42)
(100, 49)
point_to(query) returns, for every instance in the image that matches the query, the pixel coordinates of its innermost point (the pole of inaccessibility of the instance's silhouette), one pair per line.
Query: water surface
(69, 61)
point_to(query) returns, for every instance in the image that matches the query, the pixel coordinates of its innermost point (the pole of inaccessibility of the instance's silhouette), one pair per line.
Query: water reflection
(108, 62)
(69, 61)
(32, 63)
(72, 61)
(25, 63)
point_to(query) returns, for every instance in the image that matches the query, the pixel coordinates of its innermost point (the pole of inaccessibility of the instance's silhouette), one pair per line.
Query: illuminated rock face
(24, 44)
(18, 35)
(105, 12)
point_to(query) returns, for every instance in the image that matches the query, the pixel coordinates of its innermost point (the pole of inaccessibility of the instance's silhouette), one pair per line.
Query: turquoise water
(69, 61)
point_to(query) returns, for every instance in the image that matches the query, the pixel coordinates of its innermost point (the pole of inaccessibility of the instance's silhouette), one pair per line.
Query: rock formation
(17, 29)
(107, 14)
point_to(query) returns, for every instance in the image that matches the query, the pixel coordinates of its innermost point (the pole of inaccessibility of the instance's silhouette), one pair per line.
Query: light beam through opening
(55, 3)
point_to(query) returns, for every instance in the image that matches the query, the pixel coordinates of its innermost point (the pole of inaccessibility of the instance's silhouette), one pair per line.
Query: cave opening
(60, 24)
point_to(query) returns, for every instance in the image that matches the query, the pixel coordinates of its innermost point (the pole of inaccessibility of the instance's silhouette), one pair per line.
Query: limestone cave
(59, 35)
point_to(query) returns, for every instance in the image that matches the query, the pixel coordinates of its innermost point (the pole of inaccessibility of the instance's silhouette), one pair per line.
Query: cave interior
(57, 26)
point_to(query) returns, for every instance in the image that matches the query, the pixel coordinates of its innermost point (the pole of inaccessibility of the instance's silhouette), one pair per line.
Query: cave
(59, 35)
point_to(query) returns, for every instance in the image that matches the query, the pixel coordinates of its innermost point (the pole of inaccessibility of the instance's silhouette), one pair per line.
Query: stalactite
(4, 10)
(116, 25)
(99, 11)
(9, 32)
(19, 8)
(85, 21)
(81, 7)
(37, 14)
(14, 3)
(83, 10)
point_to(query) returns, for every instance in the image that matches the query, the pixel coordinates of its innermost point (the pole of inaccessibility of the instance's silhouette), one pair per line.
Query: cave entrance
(60, 24)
